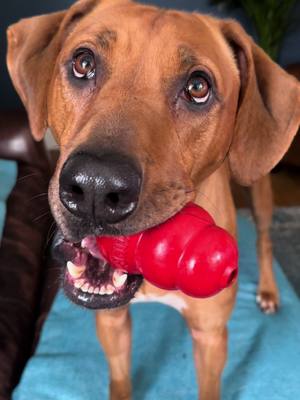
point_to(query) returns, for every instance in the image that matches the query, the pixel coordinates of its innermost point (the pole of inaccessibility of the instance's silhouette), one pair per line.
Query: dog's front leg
(210, 353)
(207, 320)
(114, 333)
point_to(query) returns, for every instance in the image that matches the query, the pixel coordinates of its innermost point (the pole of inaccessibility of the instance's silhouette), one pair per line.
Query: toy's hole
(231, 277)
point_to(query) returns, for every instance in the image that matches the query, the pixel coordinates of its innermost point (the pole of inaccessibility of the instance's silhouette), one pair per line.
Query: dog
(152, 109)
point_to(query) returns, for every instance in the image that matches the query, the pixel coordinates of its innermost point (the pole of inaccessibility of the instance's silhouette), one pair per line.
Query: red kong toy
(188, 252)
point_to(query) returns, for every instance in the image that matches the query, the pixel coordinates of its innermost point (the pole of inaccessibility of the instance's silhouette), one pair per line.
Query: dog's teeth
(78, 283)
(85, 287)
(74, 270)
(84, 242)
(90, 244)
(119, 278)
(102, 290)
(91, 289)
(96, 290)
(110, 289)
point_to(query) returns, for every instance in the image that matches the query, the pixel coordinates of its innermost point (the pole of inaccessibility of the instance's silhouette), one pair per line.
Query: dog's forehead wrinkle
(106, 38)
(187, 57)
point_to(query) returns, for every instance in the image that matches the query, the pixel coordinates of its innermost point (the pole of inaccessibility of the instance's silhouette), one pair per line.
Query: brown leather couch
(25, 297)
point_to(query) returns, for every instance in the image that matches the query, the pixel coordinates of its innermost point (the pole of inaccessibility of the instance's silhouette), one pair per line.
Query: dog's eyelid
(84, 64)
(208, 69)
(203, 71)
(84, 44)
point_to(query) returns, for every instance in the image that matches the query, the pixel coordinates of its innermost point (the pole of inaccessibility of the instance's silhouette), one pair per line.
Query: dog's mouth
(88, 279)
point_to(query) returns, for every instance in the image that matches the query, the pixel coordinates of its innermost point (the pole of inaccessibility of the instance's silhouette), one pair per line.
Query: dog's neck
(214, 194)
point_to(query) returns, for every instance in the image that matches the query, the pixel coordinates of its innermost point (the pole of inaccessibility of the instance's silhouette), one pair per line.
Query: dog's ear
(268, 114)
(33, 45)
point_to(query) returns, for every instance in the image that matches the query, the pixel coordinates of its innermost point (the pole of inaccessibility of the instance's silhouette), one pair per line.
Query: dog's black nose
(100, 189)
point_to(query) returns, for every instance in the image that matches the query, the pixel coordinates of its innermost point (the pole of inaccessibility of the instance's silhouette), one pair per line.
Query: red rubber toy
(188, 252)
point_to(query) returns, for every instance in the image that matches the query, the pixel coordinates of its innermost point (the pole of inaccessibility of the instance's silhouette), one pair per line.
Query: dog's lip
(88, 280)
(105, 301)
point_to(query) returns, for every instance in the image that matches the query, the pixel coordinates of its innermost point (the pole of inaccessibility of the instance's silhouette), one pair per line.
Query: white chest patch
(169, 299)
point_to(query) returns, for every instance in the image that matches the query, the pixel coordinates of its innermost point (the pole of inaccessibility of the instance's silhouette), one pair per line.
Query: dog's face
(144, 103)
(148, 114)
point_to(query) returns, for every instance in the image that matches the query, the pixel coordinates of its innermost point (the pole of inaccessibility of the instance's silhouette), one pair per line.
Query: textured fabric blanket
(8, 176)
(264, 351)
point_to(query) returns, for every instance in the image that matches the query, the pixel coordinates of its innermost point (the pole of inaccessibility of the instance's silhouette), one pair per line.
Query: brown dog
(152, 109)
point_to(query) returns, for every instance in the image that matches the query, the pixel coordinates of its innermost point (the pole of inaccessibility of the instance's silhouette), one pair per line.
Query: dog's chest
(149, 293)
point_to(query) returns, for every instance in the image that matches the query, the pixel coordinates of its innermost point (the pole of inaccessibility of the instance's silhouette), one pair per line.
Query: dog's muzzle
(99, 191)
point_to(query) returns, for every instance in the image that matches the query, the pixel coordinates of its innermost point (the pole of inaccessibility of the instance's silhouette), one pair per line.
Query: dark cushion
(22, 251)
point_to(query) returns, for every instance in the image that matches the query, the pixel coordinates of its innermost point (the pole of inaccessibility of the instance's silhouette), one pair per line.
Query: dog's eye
(83, 64)
(197, 89)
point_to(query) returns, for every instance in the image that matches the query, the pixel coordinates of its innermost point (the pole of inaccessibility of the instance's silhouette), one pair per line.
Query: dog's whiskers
(26, 176)
(41, 216)
(50, 234)
(38, 196)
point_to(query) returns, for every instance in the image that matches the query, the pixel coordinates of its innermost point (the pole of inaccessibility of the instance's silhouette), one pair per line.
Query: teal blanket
(264, 351)
(8, 176)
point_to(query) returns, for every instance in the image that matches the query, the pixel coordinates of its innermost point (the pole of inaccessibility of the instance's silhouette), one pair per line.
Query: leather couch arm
(22, 251)
(16, 142)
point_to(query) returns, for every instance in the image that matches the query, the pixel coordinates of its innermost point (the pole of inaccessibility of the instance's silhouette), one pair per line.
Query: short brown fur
(184, 155)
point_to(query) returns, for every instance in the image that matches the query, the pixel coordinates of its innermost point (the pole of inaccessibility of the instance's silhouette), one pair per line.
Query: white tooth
(85, 287)
(110, 289)
(90, 244)
(74, 270)
(96, 290)
(119, 278)
(102, 290)
(84, 243)
(91, 289)
(78, 283)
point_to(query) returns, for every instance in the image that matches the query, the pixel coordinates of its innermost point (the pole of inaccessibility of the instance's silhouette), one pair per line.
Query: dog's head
(144, 104)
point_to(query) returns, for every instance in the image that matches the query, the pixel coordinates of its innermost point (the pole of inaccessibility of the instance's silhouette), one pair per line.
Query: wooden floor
(286, 189)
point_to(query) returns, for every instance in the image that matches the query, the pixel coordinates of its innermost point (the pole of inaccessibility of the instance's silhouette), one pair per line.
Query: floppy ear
(268, 114)
(33, 45)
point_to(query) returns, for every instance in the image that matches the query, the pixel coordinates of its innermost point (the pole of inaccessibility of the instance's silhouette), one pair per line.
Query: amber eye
(197, 89)
(84, 65)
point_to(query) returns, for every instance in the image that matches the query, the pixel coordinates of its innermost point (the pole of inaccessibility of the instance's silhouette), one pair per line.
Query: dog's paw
(268, 301)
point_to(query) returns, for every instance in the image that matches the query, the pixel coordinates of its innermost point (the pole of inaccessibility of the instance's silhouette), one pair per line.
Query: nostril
(112, 199)
(121, 202)
(77, 190)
